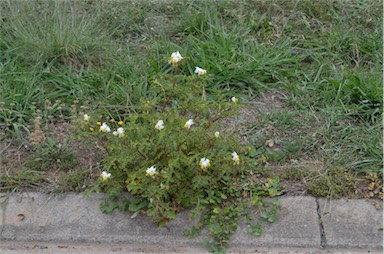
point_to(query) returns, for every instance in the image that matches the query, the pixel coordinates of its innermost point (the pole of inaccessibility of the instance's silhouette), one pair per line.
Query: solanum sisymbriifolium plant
(172, 152)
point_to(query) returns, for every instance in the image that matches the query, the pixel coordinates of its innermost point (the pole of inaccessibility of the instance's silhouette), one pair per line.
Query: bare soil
(14, 156)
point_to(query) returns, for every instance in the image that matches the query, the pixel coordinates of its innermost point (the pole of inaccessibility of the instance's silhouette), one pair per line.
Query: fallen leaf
(371, 186)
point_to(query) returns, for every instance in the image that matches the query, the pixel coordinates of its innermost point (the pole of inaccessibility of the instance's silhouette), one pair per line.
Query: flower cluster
(176, 58)
(104, 128)
(119, 132)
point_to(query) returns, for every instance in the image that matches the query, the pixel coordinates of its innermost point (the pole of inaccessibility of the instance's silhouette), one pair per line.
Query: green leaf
(136, 206)
(255, 200)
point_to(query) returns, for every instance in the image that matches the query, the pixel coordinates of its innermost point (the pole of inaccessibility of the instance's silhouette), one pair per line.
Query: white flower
(104, 175)
(86, 117)
(204, 163)
(151, 200)
(175, 58)
(235, 158)
(119, 133)
(200, 71)
(151, 171)
(234, 99)
(162, 186)
(105, 128)
(217, 134)
(159, 125)
(188, 124)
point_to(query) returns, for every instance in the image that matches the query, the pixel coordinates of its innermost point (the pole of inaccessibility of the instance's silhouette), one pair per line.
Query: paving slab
(352, 223)
(70, 217)
(297, 226)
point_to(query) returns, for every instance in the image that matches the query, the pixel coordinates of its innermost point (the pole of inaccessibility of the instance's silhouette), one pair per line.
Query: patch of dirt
(88, 156)
(14, 156)
(265, 104)
(253, 111)
(296, 185)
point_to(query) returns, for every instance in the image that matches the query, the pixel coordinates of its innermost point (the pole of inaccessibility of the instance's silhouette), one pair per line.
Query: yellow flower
(261, 159)
(120, 123)
(91, 129)
(98, 123)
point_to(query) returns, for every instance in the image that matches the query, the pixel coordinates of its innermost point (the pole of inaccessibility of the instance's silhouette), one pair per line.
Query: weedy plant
(52, 154)
(173, 153)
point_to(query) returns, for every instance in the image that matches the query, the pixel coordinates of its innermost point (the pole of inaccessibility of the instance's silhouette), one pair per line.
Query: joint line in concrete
(323, 238)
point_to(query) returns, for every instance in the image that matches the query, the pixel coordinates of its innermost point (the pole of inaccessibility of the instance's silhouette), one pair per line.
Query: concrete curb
(351, 223)
(304, 222)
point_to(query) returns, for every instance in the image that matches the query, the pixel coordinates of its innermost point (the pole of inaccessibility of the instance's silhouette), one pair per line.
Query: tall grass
(46, 34)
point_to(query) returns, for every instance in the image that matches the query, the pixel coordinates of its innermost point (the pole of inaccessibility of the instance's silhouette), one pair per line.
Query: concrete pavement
(305, 225)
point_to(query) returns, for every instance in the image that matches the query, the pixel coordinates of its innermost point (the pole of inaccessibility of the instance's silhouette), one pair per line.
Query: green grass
(325, 56)
(21, 180)
(74, 181)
